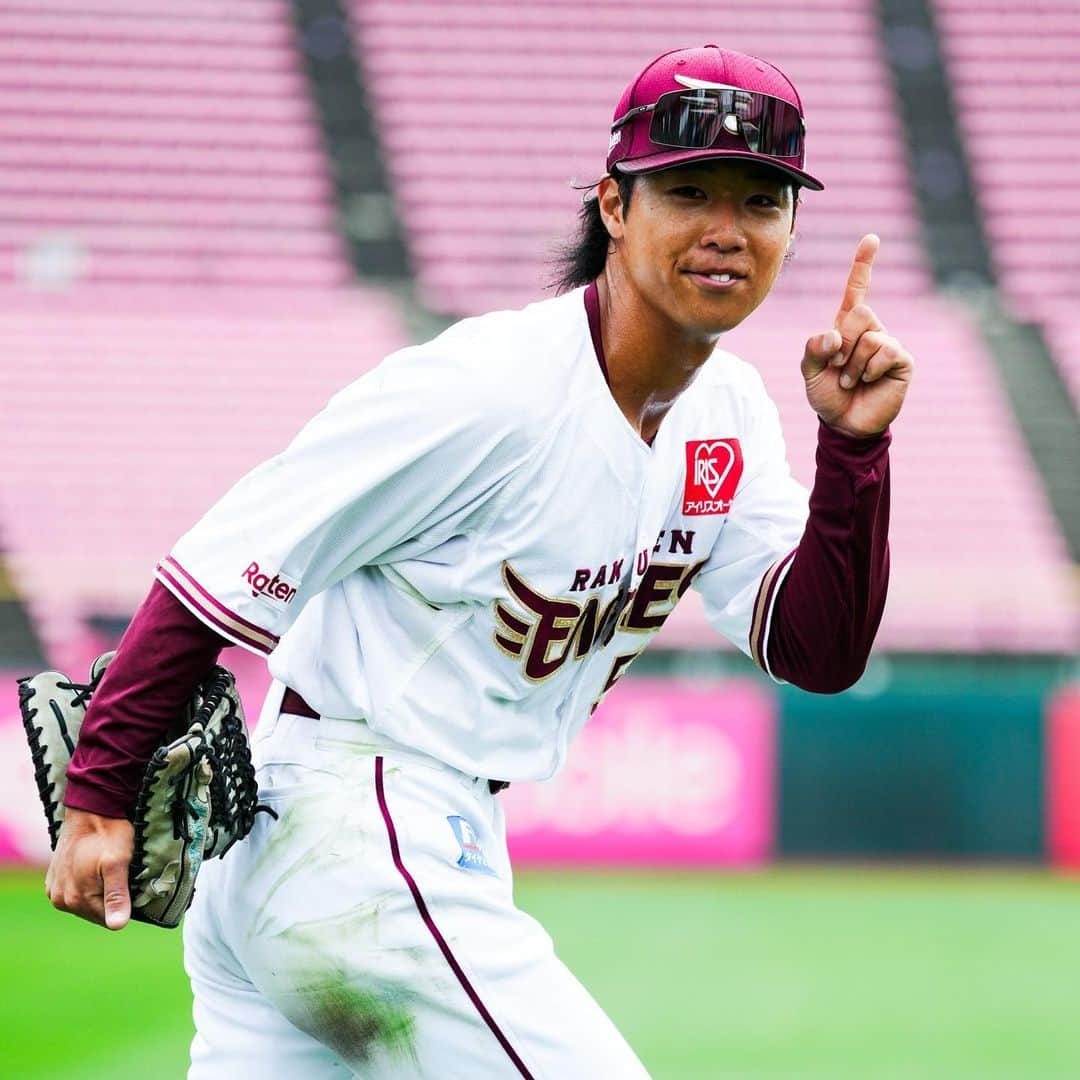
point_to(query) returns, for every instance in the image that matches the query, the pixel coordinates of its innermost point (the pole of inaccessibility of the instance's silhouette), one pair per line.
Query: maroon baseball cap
(683, 71)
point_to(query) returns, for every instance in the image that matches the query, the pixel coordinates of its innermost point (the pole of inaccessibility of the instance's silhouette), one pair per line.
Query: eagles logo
(550, 631)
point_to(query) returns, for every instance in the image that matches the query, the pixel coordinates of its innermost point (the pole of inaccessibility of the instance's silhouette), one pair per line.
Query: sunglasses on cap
(696, 119)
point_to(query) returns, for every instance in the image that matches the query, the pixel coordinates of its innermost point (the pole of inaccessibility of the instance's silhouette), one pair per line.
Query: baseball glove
(197, 798)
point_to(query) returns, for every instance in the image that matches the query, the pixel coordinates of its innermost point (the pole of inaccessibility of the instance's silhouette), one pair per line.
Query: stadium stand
(154, 142)
(1016, 84)
(129, 425)
(175, 299)
(1063, 335)
(172, 308)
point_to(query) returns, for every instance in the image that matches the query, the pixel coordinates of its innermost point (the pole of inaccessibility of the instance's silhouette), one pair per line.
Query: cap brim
(669, 159)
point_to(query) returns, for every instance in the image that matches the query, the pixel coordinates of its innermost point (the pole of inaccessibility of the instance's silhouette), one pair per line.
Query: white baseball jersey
(470, 543)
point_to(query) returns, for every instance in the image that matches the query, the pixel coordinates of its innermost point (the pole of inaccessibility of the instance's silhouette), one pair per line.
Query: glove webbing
(234, 793)
(233, 788)
(47, 788)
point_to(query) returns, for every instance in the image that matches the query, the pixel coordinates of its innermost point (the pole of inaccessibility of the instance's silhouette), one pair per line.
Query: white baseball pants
(371, 931)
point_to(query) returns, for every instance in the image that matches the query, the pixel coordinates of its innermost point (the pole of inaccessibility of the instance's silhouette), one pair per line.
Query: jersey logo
(472, 855)
(278, 590)
(551, 630)
(713, 471)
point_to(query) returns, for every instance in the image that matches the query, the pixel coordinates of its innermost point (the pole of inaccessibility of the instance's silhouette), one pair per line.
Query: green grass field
(787, 973)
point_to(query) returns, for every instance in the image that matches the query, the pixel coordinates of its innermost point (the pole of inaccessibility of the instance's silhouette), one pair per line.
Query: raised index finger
(858, 282)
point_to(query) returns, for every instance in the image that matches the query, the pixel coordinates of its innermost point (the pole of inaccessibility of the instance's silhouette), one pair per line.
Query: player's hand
(857, 374)
(88, 874)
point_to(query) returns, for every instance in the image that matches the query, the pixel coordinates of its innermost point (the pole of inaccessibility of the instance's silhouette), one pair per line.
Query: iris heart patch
(713, 470)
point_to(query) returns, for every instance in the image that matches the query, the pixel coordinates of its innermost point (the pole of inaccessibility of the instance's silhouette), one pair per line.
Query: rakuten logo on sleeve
(713, 470)
(279, 589)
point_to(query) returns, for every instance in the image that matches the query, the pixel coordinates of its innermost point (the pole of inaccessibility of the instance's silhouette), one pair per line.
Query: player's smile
(716, 280)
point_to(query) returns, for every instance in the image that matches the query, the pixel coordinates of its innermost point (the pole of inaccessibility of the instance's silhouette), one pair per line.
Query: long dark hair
(582, 259)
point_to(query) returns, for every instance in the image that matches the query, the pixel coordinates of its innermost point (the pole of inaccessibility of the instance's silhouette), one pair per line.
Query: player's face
(703, 244)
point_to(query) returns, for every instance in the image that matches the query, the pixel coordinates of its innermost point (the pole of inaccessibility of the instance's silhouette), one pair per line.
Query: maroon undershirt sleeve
(829, 606)
(162, 657)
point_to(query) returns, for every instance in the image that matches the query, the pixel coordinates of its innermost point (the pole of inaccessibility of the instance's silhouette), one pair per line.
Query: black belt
(294, 704)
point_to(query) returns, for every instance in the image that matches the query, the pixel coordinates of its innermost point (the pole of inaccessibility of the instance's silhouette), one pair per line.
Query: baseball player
(451, 565)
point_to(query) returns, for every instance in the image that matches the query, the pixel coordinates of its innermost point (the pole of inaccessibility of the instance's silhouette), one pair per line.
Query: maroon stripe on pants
(429, 922)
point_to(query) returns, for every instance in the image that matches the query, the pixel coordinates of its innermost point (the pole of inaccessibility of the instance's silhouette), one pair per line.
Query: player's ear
(790, 249)
(609, 199)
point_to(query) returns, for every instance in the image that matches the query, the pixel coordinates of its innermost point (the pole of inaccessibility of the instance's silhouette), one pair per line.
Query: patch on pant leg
(357, 1022)
(472, 855)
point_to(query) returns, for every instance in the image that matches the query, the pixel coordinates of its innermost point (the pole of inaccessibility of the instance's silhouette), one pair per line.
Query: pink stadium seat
(74, 210)
(129, 410)
(260, 23)
(162, 143)
(57, 49)
(1063, 334)
(165, 161)
(1017, 88)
